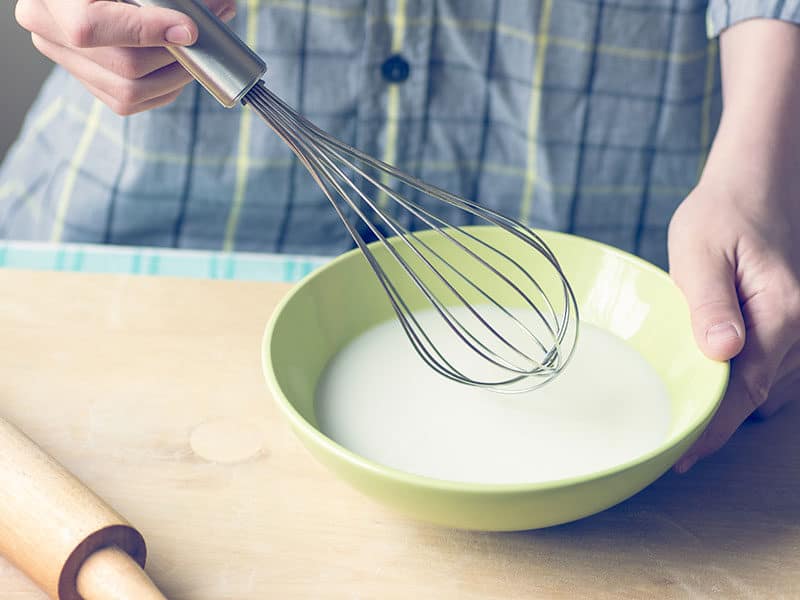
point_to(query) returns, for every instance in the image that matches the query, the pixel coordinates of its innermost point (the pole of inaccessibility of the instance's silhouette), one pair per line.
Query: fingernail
(227, 14)
(178, 34)
(721, 333)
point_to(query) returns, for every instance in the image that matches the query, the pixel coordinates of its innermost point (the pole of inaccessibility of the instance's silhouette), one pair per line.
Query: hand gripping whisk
(497, 326)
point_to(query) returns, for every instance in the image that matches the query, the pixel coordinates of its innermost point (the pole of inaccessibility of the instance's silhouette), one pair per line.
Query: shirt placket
(395, 86)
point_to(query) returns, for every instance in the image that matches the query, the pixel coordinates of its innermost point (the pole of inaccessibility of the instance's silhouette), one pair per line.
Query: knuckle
(132, 28)
(80, 33)
(137, 67)
(46, 48)
(679, 220)
(127, 66)
(137, 32)
(121, 108)
(711, 311)
(23, 13)
(37, 42)
(127, 92)
(674, 232)
(125, 69)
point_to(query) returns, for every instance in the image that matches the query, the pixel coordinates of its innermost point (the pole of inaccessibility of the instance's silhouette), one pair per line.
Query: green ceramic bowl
(616, 291)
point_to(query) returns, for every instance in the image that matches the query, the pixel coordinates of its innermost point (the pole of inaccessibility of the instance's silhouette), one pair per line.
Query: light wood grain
(112, 375)
(50, 522)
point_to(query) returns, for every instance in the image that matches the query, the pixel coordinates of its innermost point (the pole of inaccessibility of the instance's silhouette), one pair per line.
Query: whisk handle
(219, 60)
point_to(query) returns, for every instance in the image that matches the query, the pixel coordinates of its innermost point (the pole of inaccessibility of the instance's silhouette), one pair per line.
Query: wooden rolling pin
(58, 532)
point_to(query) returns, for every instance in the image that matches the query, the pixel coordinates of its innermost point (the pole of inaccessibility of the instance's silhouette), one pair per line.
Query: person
(601, 118)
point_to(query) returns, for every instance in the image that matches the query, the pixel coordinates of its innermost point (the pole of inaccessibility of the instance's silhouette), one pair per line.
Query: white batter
(378, 399)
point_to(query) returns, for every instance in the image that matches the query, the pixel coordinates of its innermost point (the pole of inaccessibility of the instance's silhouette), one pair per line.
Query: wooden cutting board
(150, 390)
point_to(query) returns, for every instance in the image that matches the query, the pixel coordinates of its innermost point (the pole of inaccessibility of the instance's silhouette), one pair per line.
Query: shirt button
(395, 69)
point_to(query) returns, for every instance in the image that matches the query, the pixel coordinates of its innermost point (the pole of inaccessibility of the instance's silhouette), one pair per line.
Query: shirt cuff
(722, 14)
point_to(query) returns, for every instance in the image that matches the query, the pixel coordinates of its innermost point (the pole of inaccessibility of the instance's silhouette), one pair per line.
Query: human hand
(734, 243)
(738, 265)
(114, 49)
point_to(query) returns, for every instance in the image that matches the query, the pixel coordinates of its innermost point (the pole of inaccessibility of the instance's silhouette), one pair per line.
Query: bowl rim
(406, 478)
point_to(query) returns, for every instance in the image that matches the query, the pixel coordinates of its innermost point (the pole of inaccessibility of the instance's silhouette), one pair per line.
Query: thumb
(102, 23)
(708, 282)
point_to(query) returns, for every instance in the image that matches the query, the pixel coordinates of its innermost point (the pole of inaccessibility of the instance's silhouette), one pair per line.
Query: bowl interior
(615, 291)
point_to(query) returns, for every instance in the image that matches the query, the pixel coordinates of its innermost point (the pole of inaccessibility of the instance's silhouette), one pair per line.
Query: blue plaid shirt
(580, 115)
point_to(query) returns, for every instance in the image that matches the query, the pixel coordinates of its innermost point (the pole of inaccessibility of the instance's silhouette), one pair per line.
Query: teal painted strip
(136, 264)
(77, 260)
(256, 269)
(288, 271)
(101, 261)
(178, 264)
(230, 267)
(23, 258)
(89, 258)
(60, 259)
(213, 267)
(153, 266)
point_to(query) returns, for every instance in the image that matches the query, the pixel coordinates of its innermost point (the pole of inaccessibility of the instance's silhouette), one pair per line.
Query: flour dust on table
(378, 399)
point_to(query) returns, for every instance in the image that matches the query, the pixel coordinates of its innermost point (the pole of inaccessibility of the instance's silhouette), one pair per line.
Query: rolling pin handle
(111, 574)
(54, 528)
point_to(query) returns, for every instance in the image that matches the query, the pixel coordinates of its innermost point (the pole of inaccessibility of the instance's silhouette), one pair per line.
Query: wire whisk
(516, 331)
(509, 316)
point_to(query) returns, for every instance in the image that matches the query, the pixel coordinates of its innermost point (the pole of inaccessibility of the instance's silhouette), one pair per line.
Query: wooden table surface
(150, 391)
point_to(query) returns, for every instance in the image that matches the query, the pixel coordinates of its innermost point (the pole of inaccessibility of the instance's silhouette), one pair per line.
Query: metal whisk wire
(514, 368)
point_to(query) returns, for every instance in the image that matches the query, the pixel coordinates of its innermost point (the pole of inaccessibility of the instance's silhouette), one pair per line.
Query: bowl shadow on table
(737, 509)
